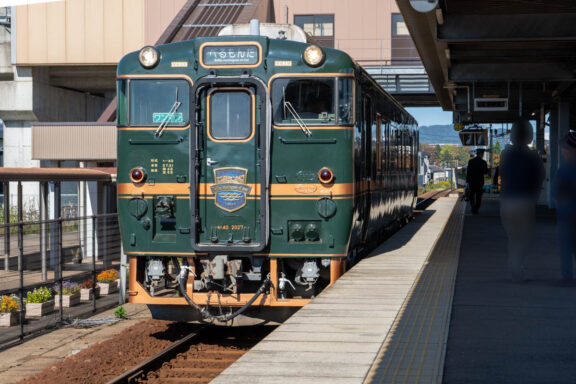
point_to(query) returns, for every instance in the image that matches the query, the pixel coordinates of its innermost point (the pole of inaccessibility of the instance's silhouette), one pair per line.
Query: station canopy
(490, 60)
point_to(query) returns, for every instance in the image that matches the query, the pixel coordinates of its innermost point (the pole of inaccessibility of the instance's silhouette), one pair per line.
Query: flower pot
(108, 288)
(68, 300)
(86, 293)
(8, 319)
(39, 309)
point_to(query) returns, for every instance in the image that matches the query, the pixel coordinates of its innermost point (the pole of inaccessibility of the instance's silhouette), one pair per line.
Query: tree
(497, 148)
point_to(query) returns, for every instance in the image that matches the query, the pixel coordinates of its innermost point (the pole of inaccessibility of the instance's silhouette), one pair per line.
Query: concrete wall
(18, 153)
(59, 104)
(89, 31)
(361, 28)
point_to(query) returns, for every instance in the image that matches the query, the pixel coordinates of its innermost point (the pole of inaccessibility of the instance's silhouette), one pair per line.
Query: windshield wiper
(168, 116)
(297, 117)
(288, 106)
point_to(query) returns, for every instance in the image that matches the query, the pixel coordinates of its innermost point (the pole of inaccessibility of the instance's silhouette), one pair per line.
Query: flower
(39, 295)
(8, 304)
(107, 276)
(86, 284)
(68, 288)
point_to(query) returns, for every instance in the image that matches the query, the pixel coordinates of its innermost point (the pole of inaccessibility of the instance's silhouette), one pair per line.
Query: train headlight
(325, 175)
(148, 57)
(137, 175)
(313, 55)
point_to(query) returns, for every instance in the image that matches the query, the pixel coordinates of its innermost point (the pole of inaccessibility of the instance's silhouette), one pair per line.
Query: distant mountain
(438, 134)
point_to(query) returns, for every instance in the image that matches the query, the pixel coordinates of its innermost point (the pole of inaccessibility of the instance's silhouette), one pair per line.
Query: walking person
(475, 172)
(564, 192)
(521, 177)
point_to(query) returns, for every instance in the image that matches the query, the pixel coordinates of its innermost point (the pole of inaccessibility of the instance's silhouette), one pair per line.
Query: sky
(430, 115)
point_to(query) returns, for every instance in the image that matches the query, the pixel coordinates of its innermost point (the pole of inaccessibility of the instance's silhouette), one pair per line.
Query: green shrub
(39, 295)
(120, 313)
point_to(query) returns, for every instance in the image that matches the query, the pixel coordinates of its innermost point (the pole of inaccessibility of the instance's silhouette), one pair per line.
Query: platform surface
(506, 332)
(344, 335)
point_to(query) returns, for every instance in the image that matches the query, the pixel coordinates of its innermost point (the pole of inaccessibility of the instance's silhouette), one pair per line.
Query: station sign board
(476, 137)
(233, 55)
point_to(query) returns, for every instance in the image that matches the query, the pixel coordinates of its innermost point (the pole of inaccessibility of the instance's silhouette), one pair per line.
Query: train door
(229, 193)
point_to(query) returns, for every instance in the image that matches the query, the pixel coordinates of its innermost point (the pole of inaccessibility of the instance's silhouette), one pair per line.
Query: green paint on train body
(159, 216)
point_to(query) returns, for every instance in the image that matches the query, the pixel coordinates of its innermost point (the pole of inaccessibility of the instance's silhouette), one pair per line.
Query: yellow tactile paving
(415, 347)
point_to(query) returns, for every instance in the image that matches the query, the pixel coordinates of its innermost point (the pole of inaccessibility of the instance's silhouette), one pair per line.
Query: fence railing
(380, 51)
(60, 256)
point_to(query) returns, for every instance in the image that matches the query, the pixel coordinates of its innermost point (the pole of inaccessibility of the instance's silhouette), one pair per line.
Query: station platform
(385, 320)
(433, 304)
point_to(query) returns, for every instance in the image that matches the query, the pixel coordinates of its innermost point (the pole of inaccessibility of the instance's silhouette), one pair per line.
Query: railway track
(196, 358)
(428, 198)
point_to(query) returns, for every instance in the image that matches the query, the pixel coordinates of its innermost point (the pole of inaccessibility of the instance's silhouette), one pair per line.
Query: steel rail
(424, 203)
(155, 362)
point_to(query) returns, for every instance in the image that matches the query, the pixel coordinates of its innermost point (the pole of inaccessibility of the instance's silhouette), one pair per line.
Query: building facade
(58, 61)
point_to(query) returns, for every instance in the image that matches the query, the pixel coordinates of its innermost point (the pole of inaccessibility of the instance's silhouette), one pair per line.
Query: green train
(252, 169)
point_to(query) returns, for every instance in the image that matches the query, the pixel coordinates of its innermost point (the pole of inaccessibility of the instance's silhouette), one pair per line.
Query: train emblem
(230, 188)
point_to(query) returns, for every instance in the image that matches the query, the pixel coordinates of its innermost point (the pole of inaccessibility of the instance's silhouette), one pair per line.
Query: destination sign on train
(230, 55)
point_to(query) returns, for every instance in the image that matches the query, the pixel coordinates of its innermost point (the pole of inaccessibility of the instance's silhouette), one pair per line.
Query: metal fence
(59, 256)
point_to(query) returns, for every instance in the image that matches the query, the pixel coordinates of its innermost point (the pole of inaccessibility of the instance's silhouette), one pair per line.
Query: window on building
(399, 25)
(321, 27)
(403, 50)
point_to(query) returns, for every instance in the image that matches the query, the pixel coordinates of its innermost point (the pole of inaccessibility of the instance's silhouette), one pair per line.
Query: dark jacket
(521, 172)
(477, 168)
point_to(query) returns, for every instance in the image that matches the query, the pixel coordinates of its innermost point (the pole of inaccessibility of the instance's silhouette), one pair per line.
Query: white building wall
(18, 153)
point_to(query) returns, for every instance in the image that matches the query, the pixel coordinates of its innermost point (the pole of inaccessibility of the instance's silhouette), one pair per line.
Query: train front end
(232, 202)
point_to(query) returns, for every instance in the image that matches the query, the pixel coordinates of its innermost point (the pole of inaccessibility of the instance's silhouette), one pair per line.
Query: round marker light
(148, 57)
(325, 175)
(137, 175)
(313, 55)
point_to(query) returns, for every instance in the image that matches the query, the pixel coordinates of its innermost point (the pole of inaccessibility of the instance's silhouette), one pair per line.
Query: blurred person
(496, 178)
(521, 176)
(564, 192)
(475, 172)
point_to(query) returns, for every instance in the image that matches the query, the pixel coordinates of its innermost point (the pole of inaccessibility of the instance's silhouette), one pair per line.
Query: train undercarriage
(224, 288)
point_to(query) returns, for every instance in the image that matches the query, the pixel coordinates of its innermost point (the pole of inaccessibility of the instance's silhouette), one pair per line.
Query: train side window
(404, 150)
(153, 102)
(407, 150)
(393, 148)
(387, 146)
(121, 96)
(345, 101)
(230, 115)
(378, 144)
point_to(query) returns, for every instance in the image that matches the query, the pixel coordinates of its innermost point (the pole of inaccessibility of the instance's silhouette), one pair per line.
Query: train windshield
(154, 102)
(314, 101)
(230, 115)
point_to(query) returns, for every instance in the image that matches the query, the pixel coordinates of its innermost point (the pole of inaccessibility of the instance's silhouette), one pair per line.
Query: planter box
(86, 293)
(108, 288)
(39, 309)
(8, 319)
(68, 300)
